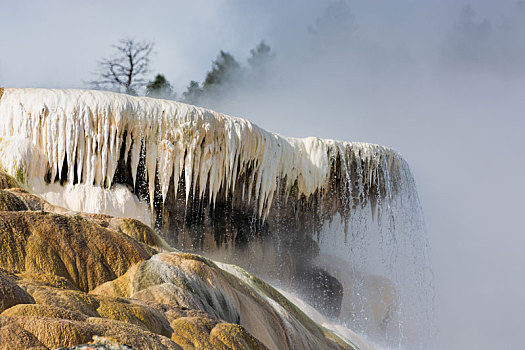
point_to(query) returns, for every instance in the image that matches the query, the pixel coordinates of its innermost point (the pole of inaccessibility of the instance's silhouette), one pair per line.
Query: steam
(440, 84)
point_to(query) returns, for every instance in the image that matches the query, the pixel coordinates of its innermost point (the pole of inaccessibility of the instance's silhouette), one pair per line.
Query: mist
(441, 82)
(447, 94)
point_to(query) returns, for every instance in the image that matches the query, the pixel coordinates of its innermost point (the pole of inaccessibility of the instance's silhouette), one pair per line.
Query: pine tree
(160, 87)
(225, 69)
(260, 56)
(193, 93)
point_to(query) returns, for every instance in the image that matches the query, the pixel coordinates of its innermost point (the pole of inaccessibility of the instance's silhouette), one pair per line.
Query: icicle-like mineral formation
(80, 136)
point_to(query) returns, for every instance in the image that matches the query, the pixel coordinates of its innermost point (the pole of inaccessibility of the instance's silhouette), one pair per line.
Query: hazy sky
(442, 84)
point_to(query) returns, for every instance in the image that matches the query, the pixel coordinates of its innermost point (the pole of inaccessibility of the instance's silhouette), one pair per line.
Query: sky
(437, 81)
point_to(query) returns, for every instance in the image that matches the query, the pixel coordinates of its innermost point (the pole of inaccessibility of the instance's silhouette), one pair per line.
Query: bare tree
(126, 70)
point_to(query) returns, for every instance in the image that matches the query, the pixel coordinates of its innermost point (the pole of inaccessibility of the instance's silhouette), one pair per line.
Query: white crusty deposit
(211, 151)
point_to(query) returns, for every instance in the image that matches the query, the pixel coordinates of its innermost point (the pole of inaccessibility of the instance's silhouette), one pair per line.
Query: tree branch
(127, 69)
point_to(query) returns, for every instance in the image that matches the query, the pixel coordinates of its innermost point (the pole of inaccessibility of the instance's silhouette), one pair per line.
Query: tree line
(127, 71)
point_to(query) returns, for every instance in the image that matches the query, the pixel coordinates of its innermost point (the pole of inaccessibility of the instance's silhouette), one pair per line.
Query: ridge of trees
(127, 69)
(227, 74)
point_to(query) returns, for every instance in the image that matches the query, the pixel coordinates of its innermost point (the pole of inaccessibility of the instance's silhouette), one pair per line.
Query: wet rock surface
(320, 289)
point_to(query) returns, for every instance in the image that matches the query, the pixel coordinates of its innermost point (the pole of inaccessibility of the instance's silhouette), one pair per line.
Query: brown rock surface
(64, 317)
(47, 311)
(7, 181)
(72, 247)
(133, 228)
(222, 336)
(11, 294)
(15, 336)
(193, 282)
(11, 202)
(33, 202)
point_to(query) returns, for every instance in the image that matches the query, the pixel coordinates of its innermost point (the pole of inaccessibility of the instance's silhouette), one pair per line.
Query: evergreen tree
(260, 56)
(227, 75)
(259, 63)
(160, 87)
(193, 93)
(225, 69)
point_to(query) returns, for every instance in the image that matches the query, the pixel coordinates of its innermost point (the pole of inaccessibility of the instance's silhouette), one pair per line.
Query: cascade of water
(383, 263)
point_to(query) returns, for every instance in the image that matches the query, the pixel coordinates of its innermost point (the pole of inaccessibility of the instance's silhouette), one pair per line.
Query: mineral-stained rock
(133, 228)
(222, 336)
(54, 332)
(72, 247)
(60, 317)
(134, 312)
(48, 311)
(7, 181)
(33, 202)
(190, 281)
(15, 336)
(46, 280)
(11, 202)
(11, 294)
(100, 343)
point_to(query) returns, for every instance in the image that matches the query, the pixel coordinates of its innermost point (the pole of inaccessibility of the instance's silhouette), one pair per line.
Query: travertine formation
(65, 278)
(97, 139)
(284, 208)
